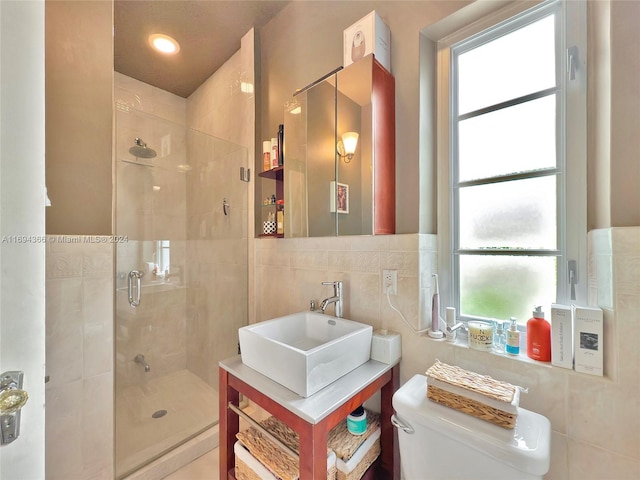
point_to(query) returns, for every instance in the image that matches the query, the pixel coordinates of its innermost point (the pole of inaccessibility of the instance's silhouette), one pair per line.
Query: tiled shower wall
(595, 421)
(79, 346)
(223, 107)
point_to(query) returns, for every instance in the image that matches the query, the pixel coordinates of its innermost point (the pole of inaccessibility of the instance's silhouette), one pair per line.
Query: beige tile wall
(290, 272)
(79, 353)
(595, 421)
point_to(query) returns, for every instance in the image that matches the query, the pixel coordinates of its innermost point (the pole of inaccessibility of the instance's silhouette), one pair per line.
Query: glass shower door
(181, 281)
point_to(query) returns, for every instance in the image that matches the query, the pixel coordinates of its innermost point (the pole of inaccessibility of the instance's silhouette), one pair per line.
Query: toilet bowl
(437, 442)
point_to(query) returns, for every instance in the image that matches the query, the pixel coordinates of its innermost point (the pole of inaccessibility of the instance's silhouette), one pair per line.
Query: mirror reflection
(329, 169)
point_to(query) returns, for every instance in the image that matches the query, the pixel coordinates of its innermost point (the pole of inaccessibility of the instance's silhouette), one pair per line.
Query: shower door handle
(134, 302)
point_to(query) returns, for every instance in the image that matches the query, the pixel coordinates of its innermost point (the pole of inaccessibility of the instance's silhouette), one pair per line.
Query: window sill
(462, 342)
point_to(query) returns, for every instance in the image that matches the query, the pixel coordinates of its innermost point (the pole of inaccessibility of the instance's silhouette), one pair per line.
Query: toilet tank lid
(525, 447)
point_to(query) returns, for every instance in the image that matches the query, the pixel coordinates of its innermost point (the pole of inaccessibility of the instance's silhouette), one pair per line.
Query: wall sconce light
(347, 146)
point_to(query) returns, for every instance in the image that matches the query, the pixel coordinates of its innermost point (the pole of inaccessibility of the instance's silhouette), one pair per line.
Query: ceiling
(208, 31)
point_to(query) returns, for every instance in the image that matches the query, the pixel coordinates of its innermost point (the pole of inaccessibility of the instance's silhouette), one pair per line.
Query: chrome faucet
(139, 358)
(337, 298)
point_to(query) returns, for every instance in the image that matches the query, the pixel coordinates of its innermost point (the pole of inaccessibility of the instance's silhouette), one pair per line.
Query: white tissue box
(588, 325)
(561, 336)
(386, 346)
(368, 35)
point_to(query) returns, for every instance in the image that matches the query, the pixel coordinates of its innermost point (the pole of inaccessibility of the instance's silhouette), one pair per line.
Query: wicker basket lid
(482, 384)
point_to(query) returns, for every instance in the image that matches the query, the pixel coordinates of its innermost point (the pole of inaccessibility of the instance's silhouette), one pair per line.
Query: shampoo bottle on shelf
(266, 155)
(539, 336)
(513, 338)
(274, 152)
(280, 222)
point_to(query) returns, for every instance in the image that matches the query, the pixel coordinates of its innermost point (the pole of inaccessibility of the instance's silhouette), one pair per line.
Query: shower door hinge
(245, 174)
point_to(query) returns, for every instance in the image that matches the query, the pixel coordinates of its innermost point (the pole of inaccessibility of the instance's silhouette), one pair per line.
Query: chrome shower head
(140, 149)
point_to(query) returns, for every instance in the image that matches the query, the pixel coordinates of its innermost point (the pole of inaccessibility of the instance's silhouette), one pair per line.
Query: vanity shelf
(271, 235)
(277, 175)
(273, 174)
(312, 417)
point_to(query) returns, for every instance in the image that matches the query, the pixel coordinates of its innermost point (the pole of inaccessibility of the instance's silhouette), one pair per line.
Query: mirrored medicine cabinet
(339, 169)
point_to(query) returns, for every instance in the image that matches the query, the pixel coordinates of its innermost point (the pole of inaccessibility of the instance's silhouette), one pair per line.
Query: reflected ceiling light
(164, 43)
(292, 106)
(347, 146)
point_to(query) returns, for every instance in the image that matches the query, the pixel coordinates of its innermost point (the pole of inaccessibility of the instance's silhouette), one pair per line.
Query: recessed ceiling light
(164, 43)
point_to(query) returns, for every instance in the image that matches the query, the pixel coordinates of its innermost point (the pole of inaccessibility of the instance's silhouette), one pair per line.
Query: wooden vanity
(312, 417)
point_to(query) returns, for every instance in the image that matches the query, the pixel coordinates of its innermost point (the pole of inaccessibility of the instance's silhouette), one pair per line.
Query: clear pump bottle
(499, 338)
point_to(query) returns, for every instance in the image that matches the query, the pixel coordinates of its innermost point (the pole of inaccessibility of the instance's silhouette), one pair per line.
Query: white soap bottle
(513, 338)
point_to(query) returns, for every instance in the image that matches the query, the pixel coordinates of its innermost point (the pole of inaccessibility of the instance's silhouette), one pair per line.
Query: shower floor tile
(191, 406)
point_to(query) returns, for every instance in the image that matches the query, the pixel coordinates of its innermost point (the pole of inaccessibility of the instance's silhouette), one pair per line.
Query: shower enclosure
(181, 280)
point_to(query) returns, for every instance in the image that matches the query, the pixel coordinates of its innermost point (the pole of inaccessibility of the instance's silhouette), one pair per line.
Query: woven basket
(245, 472)
(279, 463)
(282, 466)
(493, 400)
(249, 468)
(372, 454)
(346, 445)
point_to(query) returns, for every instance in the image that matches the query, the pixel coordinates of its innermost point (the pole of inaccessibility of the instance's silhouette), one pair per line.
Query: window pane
(504, 286)
(515, 214)
(511, 140)
(511, 66)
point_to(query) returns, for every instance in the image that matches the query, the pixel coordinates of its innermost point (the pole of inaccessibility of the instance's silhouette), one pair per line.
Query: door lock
(12, 399)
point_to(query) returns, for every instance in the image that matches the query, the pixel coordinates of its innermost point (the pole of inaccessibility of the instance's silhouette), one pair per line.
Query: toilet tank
(448, 444)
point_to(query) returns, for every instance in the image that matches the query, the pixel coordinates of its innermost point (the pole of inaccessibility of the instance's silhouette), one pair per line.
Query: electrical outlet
(390, 281)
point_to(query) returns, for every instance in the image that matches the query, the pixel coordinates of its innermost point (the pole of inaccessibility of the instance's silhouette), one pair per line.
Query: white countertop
(316, 407)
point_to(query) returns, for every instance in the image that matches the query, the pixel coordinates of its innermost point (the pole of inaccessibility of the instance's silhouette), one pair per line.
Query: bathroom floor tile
(202, 468)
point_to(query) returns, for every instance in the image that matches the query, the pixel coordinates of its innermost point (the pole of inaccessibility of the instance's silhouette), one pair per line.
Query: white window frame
(163, 256)
(572, 199)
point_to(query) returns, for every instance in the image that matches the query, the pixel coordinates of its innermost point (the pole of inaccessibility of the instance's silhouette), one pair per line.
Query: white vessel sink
(305, 351)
